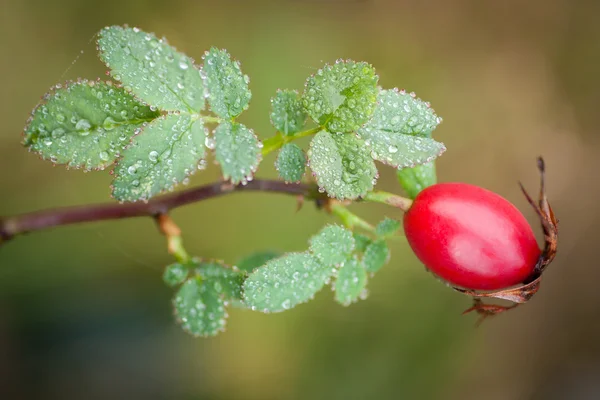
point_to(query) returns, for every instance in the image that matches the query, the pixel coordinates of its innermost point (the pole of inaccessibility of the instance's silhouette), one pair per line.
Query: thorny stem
(43, 219)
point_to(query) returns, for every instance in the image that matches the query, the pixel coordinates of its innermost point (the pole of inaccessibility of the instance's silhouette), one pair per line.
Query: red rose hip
(471, 237)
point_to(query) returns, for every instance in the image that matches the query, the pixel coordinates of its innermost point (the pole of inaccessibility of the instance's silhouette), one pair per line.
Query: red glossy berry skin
(471, 237)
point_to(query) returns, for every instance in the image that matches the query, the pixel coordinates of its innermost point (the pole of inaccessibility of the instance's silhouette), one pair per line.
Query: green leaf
(228, 92)
(224, 279)
(253, 261)
(152, 69)
(237, 150)
(341, 97)
(351, 282)
(175, 274)
(332, 245)
(291, 163)
(85, 124)
(165, 153)
(361, 241)
(199, 308)
(415, 179)
(376, 255)
(342, 165)
(387, 227)
(283, 283)
(287, 112)
(398, 132)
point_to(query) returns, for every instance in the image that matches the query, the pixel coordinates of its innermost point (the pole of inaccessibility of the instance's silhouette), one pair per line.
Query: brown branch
(43, 219)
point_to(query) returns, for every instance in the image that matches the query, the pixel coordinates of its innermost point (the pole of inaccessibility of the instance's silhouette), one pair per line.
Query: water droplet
(103, 156)
(153, 156)
(132, 170)
(83, 125)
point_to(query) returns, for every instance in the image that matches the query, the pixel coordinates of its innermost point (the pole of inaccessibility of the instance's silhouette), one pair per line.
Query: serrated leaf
(387, 227)
(175, 274)
(165, 153)
(342, 165)
(152, 69)
(361, 241)
(199, 308)
(225, 280)
(351, 282)
(376, 256)
(85, 124)
(228, 92)
(283, 283)
(287, 112)
(253, 261)
(237, 150)
(415, 179)
(291, 163)
(341, 97)
(332, 245)
(398, 132)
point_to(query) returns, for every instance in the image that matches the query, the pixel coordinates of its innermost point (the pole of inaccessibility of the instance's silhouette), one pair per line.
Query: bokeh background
(83, 311)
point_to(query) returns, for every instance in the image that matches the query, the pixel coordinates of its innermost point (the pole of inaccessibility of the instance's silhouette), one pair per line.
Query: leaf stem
(11, 227)
(276, 142)
(172, 232)
(391, 199)
(349, 219)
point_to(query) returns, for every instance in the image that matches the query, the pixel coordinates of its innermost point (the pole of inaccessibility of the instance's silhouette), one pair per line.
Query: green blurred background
(83, 311)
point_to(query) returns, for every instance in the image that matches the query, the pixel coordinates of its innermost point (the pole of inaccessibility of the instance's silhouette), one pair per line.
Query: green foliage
(284, 282)
(237, 150)
(225, 280)
(342, 165)
(415, 179)
(376, 255)
(227, 87)
(85, 124)
(387, 227)
(351, 282)
(199, 308)
(341, 97)
(332, 245)
(291, 163)
(151, 69)
(361, 241)
(165, 153)
(255, 260)
(154, 128)
(287, 112)
(398, 132)
(175, 274)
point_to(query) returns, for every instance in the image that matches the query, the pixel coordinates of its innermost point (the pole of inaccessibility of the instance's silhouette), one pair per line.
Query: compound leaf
(291, 163)
(85, 124)
(332, 245)
(398, 134)
(415, 179)
(152, 69)
(342, 165)
(287, 112)
(376, 255)
(175, 274)
(387, 227)
(199, 308)
(228, 92)
(341, 97)
(237, 149)
(224, 279)
(351, 282)
(284, 282)
(165, 153)
(253, 261)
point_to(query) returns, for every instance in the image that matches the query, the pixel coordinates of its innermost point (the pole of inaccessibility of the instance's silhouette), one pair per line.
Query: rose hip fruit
(471, 237)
